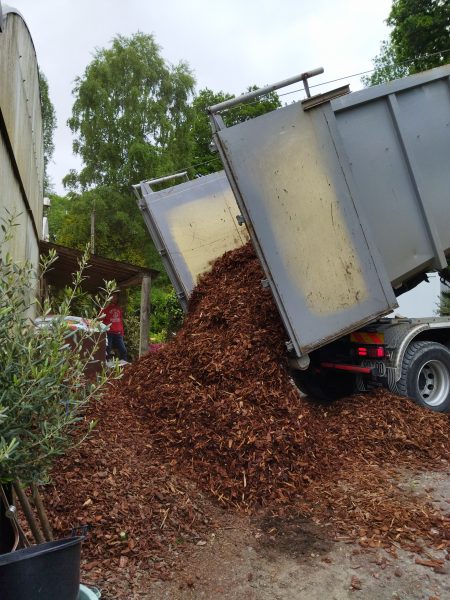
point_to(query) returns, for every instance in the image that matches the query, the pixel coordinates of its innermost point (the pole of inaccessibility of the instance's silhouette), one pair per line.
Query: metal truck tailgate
(192, 224)
(293, 184)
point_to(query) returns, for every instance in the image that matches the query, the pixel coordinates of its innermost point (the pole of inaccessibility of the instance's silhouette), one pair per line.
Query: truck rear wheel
(426, 375)
(324, 386)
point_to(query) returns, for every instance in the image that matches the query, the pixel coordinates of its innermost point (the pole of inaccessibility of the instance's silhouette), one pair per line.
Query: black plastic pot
(49, 571)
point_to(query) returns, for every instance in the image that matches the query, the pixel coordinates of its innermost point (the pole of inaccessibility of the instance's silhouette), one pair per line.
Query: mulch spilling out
(214, 414)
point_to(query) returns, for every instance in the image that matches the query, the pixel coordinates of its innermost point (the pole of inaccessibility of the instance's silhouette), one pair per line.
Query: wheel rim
(433, 383)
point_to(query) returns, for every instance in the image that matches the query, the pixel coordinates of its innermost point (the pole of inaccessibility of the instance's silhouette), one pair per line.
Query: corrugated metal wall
(21, 149)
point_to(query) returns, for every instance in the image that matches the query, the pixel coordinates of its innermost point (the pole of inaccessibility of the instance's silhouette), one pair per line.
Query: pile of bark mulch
(135, 511)
(221, 408)
(215, 413)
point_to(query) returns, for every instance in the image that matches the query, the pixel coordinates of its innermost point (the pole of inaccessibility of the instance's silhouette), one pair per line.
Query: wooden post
(145, 314)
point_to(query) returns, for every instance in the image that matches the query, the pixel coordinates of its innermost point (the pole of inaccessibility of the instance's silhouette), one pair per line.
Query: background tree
(60, 206)
(386, 66)
(444, 308)
(117, 235)
(252, 109)
(131, 116)
(419, 40)
(204, 158)
(48, 129)
(135, 118)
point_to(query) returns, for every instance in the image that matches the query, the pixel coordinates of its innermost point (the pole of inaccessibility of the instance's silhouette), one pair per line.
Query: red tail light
(377, 352)
(371, 351)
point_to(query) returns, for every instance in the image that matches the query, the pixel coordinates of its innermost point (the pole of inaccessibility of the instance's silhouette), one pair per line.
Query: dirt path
(304, 566)
(289, 559)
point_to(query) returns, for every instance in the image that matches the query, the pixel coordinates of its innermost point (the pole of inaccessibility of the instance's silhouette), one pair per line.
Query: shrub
(43, 387)
(166, 315)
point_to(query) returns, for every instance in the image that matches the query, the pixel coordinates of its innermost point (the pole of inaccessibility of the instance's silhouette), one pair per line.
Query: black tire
(426, 375)
(324, 386)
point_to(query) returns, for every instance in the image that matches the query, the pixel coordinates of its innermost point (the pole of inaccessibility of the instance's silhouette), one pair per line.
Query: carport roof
(99, 269)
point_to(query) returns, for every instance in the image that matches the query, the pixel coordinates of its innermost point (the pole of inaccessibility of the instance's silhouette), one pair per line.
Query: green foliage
(82, 304)
(419, 40)
(43, 388)
(166, 314)
(48, 128)
(203, 157)
(130, 116)
(421, 31)
(444, 308)
(205, 160)
(132, 336)
(175, 314)
(386, 66)
(252, 109)
(133, 119)
(120, 232)
(56, 214)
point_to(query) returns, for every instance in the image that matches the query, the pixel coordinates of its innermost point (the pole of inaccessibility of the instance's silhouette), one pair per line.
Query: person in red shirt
(112, 315)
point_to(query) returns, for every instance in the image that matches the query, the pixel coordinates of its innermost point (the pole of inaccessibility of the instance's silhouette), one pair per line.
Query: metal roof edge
(6, 9)
(95, 259)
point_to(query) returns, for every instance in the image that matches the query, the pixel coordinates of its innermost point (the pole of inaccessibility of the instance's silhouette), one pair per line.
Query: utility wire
(405, 62)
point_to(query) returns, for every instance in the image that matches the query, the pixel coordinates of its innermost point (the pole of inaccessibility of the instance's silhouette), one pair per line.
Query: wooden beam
(145, 314)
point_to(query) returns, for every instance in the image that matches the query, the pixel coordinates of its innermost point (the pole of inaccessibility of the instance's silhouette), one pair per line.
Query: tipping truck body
(346, 198)
(347, 201)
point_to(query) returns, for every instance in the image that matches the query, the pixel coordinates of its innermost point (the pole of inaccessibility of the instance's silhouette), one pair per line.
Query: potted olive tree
(43, 393)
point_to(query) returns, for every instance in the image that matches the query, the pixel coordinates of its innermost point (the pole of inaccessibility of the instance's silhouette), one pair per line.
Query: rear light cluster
(371, 351)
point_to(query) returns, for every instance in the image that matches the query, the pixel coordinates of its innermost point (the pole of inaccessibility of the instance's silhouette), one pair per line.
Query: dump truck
(346, 200)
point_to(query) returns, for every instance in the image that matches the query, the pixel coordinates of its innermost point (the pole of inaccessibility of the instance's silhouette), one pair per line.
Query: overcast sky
(229, 46)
